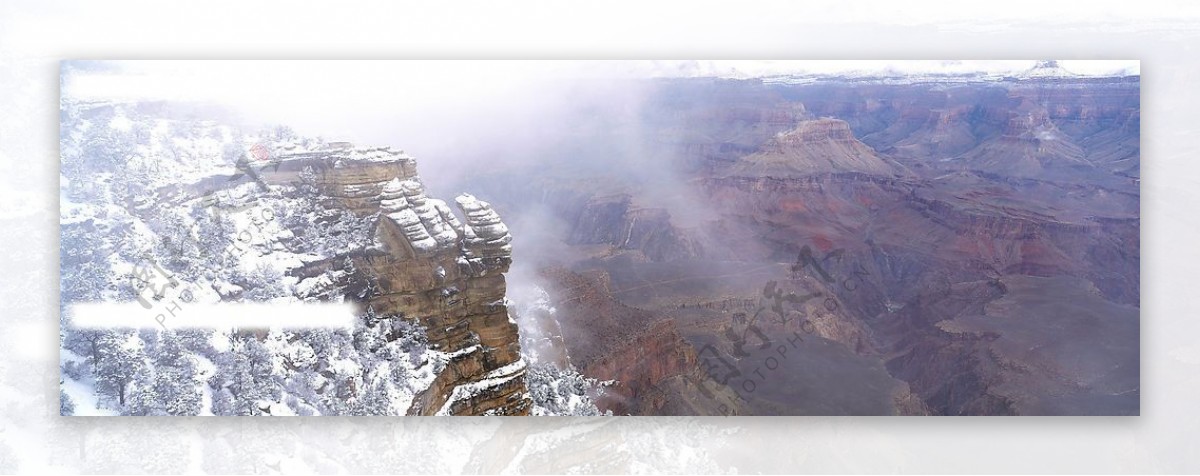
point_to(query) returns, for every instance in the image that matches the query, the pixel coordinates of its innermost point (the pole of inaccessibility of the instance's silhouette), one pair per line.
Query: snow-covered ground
(82, 394)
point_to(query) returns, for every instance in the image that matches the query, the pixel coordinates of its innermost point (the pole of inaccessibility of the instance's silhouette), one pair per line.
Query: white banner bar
(106, 315)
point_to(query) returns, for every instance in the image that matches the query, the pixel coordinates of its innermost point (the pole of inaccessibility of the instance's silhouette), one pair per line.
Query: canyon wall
(425, 265)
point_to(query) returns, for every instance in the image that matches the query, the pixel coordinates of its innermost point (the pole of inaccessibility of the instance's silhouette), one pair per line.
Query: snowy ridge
(341, 154)
(425, 222)
(485, 234)
(289, 226)
(493, 379)
(1047, 70)
(165, 212)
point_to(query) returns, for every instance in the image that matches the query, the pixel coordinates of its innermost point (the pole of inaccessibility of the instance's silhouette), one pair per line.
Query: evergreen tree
(251, 377)
(174, 384)
(65, 406)
(143, 398)
(121, 359)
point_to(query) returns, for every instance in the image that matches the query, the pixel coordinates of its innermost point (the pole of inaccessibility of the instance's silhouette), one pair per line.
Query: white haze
(457, 116)
(465, 121)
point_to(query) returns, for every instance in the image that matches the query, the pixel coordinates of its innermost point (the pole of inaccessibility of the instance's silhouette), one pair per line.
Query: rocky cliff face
(654, 370)
(428, 266)
(617, 221)
(1065, 129)
(909, 243)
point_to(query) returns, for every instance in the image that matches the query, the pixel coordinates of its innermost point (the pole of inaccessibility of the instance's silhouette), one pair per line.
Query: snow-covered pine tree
(121, 359)
(65, 406)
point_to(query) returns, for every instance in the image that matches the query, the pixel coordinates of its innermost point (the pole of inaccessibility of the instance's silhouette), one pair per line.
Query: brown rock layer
(430, 267)
(656, 370)
(818, 146)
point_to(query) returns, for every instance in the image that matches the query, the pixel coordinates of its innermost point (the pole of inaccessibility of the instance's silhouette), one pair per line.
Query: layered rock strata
(818, 146)
(429, 266)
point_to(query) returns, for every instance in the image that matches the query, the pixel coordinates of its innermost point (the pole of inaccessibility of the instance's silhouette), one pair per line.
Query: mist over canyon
(783, 245)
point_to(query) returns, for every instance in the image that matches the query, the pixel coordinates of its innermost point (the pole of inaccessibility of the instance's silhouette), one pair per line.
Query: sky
(228, 79)
(324, 97)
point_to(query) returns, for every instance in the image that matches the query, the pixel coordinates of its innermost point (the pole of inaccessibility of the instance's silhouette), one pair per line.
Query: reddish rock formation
(818, 146)
(1021, 178)
(1029, 146)
(640, 350)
